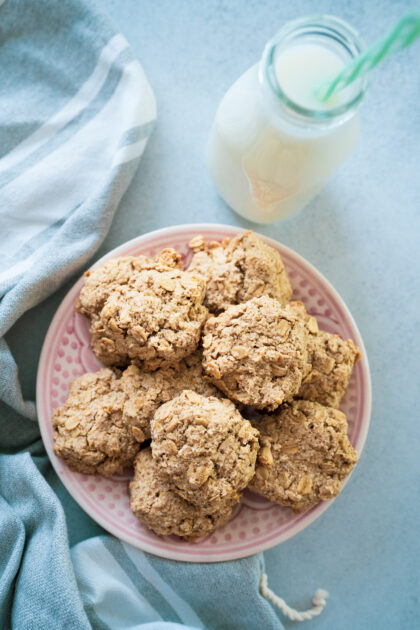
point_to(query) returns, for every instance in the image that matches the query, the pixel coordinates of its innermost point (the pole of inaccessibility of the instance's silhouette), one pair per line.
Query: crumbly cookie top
(203, 447)
(89, 434)
(143, 311)
(153, 501)
(239, 269)
(117, 272)
(256, 353)
(330, 362)
(305, 455)
(148, 390)
(298, 309)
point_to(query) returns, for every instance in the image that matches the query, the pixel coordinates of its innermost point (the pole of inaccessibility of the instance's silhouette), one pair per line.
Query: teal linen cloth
(76, 113)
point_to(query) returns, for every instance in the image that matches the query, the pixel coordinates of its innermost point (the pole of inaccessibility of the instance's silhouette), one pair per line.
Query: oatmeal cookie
(305, 455)
(203, 448)
(102, 280)
(146, 390)
(330, 362)
(239, 269)
(89, 434)
(162, 510)
(148, 312)
(298, 309)
(256, 353)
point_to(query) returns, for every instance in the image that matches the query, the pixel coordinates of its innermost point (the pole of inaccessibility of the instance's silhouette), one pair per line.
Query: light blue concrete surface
(362, 232)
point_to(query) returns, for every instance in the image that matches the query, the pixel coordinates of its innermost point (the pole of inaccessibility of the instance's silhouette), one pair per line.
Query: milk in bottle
(274, 143)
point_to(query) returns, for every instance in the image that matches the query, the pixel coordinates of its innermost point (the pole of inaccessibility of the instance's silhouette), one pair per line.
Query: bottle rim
(326, 26)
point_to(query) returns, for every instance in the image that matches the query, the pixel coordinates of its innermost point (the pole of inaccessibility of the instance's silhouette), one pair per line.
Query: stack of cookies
(190, 355)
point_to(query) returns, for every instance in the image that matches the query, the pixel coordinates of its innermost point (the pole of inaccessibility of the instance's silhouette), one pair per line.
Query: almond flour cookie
(330, 362)
(239, 269)
(89, 434)
(162, 510)
(256, 353)
(203, 448)
(305, 455)
(149, 312)
(146, 390)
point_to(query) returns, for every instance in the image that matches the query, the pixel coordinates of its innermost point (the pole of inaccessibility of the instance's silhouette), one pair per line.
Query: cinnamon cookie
(162, 510)
(256, 353)
(89, 434)
(305, 455)
(149, 312)
(239, 269)
(203, 448)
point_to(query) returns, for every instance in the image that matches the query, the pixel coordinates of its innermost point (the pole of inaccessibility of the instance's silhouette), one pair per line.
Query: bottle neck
(334, 37)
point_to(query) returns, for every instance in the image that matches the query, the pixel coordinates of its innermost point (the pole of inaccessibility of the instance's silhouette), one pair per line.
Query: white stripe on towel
(77, 168)
(129, 152)
(80, 100)
(102, 581)
(181, 607)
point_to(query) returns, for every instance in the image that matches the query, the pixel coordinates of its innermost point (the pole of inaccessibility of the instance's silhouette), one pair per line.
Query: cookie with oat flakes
(305, 455)
(204, 448)
(89, 433)
(143, 311)
(154, 503)
(256, 353)
(330, 362)
(147, 390)
(239, 269)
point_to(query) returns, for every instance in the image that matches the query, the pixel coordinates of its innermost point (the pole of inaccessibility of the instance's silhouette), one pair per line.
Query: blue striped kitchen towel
(106, 584)
(76, 113)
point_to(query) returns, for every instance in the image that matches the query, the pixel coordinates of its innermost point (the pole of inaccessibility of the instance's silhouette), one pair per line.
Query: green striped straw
(401, 36)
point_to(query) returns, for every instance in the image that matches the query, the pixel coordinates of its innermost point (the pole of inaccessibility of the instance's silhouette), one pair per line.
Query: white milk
(301, 68)
(267, 163)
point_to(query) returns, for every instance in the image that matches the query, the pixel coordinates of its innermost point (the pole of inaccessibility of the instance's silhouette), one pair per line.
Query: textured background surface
(362, 232)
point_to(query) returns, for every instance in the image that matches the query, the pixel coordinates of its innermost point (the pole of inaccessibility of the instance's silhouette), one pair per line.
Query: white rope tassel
(318, 600)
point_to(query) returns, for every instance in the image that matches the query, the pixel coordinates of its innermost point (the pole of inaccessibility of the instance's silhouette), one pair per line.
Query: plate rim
(205, 556)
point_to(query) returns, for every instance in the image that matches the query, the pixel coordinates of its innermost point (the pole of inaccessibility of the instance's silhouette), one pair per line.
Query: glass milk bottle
(273, 143)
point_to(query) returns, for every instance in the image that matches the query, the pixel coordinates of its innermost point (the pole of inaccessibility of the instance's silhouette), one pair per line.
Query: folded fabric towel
(77, 111)
(144, 587)
(120, 587)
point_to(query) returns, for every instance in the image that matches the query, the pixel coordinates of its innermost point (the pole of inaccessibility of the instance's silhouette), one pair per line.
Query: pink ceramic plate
(256, 524)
